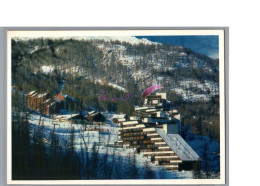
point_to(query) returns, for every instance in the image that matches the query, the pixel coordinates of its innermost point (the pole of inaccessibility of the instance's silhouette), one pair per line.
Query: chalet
(79, 119)
(65, 102)
(73, 118)
(95, 116)
(155, 132)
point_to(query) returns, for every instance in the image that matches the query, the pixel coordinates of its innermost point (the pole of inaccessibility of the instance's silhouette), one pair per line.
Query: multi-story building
(40, 99)
(30, 97)
(155, 131)
(46, 105)
(35, 101)
(49, 107)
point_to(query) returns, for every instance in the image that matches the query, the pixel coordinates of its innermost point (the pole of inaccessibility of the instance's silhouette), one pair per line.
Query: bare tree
(86, 153)
(206, 159)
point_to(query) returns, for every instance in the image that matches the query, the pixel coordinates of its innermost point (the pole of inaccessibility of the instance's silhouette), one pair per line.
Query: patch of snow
(34, 49)
(47, 69)
(112, 85)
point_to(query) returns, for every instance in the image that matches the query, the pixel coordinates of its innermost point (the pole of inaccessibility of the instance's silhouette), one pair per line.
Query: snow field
(63, 130)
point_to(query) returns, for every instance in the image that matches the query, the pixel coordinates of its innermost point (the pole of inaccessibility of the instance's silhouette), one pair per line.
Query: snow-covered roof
(67, 116)
(179, 146)
(92, 112)
(143, 108)
(119, 116)
(32, 92)
(41, 95)
(47, 100)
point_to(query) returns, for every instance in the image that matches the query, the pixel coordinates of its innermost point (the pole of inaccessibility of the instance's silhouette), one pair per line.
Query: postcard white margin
(66, 34)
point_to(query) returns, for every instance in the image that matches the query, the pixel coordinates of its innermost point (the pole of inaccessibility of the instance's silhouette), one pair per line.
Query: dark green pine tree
(39, 154)
(71, 161)
(55, 157)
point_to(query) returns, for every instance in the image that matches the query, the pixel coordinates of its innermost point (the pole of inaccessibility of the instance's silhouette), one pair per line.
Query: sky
(207, 45)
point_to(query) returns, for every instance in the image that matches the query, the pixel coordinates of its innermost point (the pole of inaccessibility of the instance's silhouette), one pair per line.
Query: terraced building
(155, 132)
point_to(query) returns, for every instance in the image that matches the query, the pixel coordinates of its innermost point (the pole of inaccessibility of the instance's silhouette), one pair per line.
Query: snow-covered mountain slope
(151, 69)
(125, 62)
(107, 137)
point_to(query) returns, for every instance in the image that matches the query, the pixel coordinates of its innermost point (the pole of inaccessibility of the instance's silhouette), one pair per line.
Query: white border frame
(35, 34)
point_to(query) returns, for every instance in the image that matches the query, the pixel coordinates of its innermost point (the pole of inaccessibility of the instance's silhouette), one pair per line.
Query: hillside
(88, 65)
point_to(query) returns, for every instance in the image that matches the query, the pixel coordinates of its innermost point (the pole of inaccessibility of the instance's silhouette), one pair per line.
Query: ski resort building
(49, 107)
(155, 132)
(65, 102)
(35, 101)
(30, 99)
(95, 116)
(43, 103)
